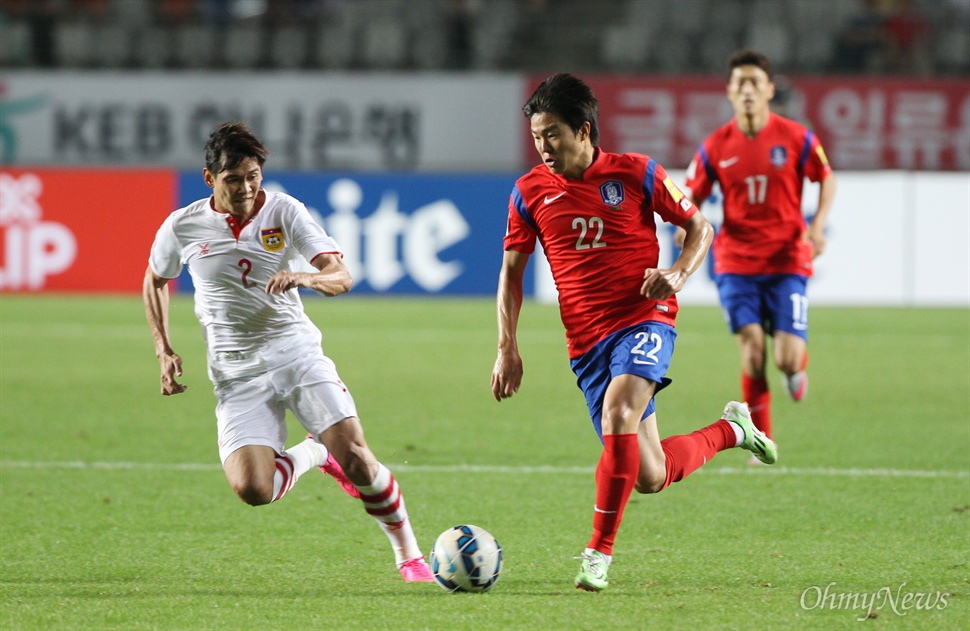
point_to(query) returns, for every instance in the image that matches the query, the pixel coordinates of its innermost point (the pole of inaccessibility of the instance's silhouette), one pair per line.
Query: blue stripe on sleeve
(805, 149)
(649, 180)
(706, 162)
(520, 208)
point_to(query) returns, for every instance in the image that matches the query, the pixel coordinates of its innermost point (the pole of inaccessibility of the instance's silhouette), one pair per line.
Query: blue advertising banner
(401, 234)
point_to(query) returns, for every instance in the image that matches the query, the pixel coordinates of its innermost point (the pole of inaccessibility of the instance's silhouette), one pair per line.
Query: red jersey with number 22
(761, 179)
(599, 234)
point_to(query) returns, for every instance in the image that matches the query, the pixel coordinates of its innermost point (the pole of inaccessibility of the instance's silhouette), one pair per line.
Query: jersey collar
(234, 226)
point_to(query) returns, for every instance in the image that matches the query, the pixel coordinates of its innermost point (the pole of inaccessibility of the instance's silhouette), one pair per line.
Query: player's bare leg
(259, 475)
(653, 461)
(249, 471)
(380, 494)
(791, 357)
(754, 384)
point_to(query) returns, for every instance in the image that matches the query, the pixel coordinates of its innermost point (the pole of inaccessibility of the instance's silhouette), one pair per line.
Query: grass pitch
(114, 513)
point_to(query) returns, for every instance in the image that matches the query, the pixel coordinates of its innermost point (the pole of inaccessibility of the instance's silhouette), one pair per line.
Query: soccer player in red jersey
(593, 213)
(763, 253)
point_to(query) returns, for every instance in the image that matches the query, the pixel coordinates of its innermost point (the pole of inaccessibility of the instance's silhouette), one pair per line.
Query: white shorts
(252, 410)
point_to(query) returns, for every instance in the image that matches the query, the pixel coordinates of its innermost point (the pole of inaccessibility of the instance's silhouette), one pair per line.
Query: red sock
(756, 395)
(616, 474)
(805, 360)
(688, 453)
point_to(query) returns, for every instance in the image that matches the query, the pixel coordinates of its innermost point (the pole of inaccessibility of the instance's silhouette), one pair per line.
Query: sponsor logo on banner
(863, 122)
(78, 230)
(34, 249)
(327, 121)
(399, 233)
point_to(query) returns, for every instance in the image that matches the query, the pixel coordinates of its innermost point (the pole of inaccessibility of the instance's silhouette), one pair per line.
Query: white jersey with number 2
(246, 330)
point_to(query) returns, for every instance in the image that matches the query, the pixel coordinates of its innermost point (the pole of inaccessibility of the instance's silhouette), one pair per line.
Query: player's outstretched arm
(507, 373)
(156, 297)
(332, 278)
(816, 231)
(660, 284)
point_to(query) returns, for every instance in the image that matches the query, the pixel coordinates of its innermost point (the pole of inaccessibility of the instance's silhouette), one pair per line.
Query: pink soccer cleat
(797, 385)
(416, 571)
(332, 468)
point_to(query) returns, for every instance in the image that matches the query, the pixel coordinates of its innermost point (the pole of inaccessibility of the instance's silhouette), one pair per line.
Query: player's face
(234, 190)
(750, 90)
(564, 151)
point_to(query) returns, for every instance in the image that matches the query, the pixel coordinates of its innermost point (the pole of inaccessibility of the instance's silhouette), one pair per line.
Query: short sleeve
(521, 231)
(308, 236)
(165, 259)
(668, 201)
(699, 183)
(817, 166)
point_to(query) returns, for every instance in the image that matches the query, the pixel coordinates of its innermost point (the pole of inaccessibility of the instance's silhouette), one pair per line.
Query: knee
(790, 363)
(652, 477)
(789, 367)
(253, 493)
(619, 418)
(650, 481)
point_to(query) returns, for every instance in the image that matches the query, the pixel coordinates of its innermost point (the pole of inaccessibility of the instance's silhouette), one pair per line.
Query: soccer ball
(466, 559)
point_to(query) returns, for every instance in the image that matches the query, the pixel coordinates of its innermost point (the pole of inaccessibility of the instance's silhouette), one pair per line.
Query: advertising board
(80, 229)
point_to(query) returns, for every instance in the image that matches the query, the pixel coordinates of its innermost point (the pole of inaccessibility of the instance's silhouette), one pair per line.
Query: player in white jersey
(245, 248)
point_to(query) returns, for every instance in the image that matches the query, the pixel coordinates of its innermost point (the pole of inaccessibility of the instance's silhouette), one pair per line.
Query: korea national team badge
(779, 156)
(272, 239)
(612, 192)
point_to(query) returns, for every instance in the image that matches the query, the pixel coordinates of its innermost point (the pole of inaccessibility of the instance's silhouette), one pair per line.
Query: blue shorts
(775, 301)
(644, 350)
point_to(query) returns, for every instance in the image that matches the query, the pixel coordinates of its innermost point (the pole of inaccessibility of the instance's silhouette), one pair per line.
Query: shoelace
(595, 562)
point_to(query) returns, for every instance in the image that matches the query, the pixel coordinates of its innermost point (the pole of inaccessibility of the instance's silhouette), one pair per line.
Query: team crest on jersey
(272, 239)
(612, 192)
(779, 156)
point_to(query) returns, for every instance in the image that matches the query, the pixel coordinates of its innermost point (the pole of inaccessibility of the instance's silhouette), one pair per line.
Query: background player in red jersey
(593, 213)
(763, 252)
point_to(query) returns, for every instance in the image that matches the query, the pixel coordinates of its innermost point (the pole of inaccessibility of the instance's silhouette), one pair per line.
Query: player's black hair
(749, 57)
(229, 145)
(570, 99)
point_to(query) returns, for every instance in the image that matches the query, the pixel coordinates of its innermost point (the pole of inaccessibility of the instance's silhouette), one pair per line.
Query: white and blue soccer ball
(466, 559)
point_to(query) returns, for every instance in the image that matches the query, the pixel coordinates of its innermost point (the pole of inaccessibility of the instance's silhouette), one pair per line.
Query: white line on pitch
(518, 470)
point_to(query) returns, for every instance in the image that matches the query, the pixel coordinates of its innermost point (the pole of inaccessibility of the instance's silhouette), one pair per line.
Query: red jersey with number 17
(761, 179)
(600, 234)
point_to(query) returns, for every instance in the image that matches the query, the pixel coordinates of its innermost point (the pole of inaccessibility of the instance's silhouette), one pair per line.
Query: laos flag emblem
(612, 192)
(273, 239)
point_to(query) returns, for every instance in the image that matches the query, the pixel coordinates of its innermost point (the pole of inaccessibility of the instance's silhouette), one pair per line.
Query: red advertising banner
(80, 230)
(864, 123)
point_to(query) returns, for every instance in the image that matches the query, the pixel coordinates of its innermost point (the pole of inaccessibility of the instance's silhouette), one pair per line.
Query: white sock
(384, 502)
(294, 462)
(609, 557)
(738, 433)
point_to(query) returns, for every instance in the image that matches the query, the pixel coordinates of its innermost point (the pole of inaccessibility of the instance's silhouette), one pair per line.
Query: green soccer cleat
(755, 440)
(592, 573)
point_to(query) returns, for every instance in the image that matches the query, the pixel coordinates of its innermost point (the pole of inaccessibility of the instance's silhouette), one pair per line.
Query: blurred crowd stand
(916, 37)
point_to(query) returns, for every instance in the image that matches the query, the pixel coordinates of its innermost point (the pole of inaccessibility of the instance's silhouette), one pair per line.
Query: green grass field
(116, 515)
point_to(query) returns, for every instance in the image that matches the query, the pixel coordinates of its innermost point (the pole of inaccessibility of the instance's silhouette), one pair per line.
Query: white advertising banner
(893, 238)
(311, 121)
